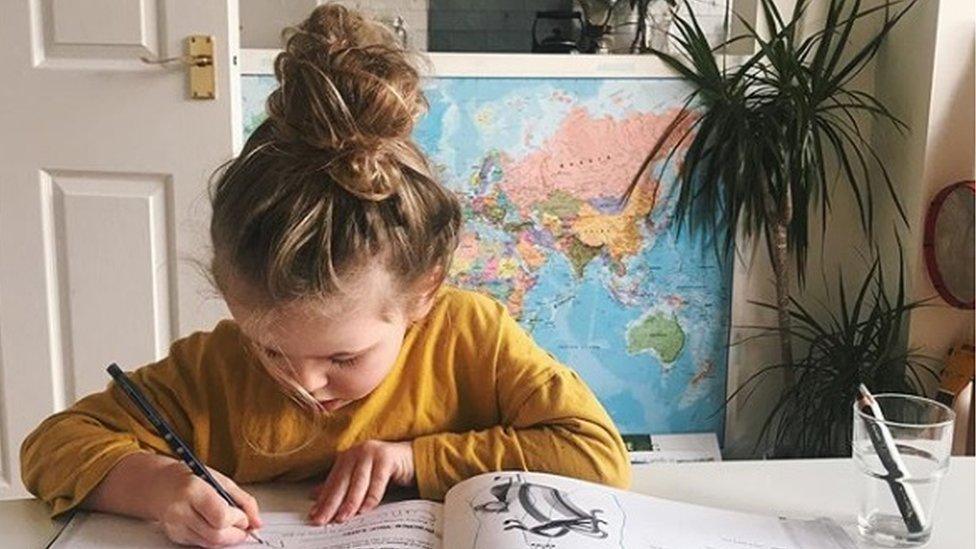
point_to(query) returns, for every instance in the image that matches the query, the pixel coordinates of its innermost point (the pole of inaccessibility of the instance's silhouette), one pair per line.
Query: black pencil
(179, 447)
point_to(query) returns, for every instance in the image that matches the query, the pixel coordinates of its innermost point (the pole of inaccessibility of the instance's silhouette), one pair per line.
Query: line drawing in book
(539, 501)
(538, 512)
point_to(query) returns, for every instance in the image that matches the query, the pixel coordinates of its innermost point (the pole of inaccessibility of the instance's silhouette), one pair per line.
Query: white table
(792, 488)
(808, 488)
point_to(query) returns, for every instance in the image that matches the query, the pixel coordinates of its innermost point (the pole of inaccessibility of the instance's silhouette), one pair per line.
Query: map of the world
(613, 290)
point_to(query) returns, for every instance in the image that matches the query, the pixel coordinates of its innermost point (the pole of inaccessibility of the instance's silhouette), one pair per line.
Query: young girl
(347, 356)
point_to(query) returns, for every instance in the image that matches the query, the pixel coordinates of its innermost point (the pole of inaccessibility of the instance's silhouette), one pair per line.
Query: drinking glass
(898, 493)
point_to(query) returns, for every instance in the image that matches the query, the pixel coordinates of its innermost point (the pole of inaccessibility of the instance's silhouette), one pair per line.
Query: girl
(346, 354)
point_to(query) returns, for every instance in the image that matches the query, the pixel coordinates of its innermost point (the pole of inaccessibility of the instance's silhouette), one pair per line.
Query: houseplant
(758, 138)
(850, 342)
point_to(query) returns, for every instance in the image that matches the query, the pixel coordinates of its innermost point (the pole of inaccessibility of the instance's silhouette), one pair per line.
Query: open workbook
(509, 510)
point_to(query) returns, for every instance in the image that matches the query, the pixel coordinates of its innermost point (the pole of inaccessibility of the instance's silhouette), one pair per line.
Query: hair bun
(372, 171)
(347, 89)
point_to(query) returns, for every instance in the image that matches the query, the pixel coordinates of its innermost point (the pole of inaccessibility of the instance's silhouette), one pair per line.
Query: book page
(403, 525)
(518, 510)
(411, 524)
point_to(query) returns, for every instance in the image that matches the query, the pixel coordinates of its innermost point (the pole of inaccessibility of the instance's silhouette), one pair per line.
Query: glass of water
(903, 459)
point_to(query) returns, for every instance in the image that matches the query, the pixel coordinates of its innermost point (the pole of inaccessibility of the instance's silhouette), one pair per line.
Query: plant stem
(779, 255)
(781, 270)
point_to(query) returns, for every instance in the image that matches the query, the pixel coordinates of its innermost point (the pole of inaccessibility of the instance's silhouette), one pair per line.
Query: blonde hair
(332, 181)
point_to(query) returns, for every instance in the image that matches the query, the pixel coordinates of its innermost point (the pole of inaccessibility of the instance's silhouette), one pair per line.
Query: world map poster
(640, 310)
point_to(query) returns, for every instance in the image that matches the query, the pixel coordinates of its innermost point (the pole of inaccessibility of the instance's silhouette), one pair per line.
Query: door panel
(103, 195)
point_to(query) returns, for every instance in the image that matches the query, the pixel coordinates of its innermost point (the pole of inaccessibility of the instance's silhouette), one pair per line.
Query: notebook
(507, 510)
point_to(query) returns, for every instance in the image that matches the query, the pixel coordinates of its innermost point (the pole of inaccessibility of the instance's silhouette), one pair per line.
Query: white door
(104, 161)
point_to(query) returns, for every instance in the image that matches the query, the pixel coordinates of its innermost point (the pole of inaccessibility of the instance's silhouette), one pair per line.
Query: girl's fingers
(190, 527)
(323, 489)
(378, 482)
(247, 502)
(332, 492)
(202, 533)
(216, 512)
(183, 535)
(330, 480)
(358, 484)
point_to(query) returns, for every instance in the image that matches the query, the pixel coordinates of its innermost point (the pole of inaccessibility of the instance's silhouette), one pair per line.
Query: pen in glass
(884, 445)
(175, 443)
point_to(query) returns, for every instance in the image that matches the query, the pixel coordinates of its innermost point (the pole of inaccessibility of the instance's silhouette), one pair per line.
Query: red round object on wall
(949, 243)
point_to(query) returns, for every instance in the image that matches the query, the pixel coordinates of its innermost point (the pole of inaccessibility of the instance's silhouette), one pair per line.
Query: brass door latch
(199, 61)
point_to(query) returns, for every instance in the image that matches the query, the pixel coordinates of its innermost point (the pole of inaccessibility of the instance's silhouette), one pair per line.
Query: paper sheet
(404, 525)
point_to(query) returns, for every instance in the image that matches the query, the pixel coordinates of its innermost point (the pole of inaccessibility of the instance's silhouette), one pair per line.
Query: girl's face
(338, 351)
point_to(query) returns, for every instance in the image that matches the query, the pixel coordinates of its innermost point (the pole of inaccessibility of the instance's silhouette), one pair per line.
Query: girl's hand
(192, 513)
(359, 478)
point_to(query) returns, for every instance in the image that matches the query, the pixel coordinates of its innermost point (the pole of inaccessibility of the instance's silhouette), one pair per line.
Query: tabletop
(807, 488)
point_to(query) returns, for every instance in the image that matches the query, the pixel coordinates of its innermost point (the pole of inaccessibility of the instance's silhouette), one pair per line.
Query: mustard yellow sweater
(470, 388)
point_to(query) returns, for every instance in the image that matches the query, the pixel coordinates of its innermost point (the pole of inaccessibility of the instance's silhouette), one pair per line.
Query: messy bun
(349, 91)
(332, 180)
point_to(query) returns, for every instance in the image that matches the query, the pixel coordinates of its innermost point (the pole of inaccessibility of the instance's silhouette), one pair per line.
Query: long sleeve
(548, 421)
(470, 388)
(69, 453)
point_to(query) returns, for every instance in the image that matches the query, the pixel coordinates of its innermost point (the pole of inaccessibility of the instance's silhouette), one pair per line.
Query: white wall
(263, 20)
(943, 152)
(925, 74)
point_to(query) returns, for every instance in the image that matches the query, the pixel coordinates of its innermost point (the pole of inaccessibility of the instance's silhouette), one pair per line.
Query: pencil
(175, 443)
